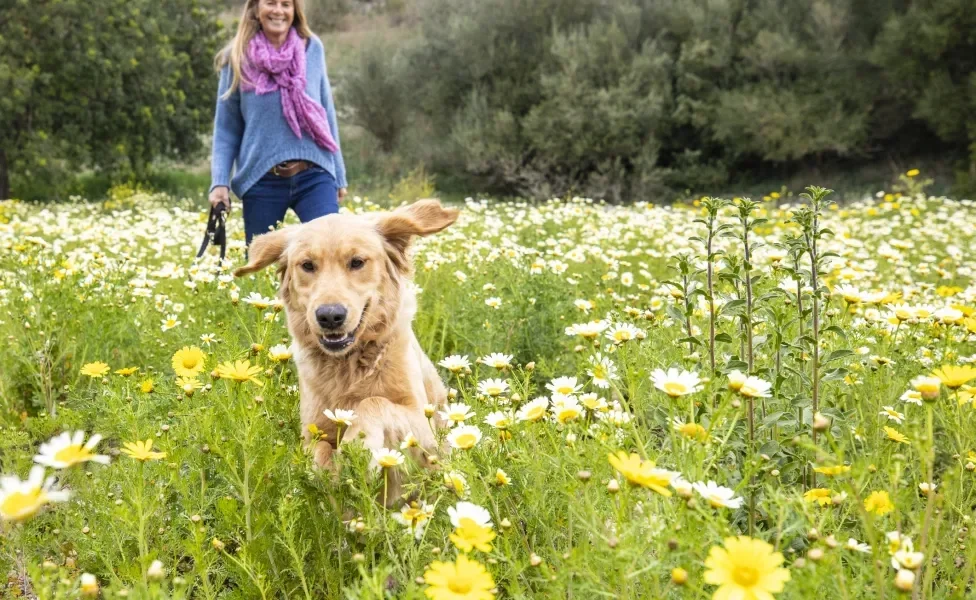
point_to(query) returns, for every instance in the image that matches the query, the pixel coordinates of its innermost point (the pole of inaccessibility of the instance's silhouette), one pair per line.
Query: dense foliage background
(625, 100)
(109, 84)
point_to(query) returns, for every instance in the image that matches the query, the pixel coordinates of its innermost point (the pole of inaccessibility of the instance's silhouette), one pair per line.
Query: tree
(929, 58)
(106, 84)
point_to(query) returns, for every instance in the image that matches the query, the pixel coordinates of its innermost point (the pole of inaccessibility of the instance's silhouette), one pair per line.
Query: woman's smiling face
(276, 17)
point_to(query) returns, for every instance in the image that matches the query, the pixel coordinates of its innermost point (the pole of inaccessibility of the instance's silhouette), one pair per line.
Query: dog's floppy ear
(423, 217)
(264, 250)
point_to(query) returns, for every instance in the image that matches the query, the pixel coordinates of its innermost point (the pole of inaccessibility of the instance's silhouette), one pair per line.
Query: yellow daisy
(642, 473)
(745, 569)
(240, 371)
(95, 369)
(464, 579)
(188, 361)
(142, 450)
(879, 503)
(895, 435)
(819, 495)
(831, 471)
(954, 377)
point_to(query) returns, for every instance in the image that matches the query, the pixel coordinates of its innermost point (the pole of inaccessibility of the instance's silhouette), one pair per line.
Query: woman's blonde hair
(247, 28)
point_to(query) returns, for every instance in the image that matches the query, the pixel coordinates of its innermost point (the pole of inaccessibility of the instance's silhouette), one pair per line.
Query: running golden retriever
(344, 282)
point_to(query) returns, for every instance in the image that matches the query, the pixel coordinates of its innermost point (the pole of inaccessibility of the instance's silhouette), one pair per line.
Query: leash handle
(216, 231)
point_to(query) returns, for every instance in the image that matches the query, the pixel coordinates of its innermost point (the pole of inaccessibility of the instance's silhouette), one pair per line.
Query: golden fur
(383, 375)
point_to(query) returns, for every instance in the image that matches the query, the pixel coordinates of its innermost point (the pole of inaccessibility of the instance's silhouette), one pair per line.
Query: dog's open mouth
(337, 342)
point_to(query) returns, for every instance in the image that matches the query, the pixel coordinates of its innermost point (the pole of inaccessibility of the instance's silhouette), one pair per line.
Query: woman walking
(275, 120)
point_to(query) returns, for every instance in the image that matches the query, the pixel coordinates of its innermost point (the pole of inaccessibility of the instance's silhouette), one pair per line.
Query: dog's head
(340, 274)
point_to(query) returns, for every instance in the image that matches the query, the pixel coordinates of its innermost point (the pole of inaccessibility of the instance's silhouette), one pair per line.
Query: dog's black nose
(330, 316)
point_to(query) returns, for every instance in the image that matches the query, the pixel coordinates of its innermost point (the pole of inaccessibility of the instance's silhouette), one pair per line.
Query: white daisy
(567, 409)
(564, 386)
(676, 383)
(456, 412)
(464, 437)
(717, 496)
(279, 353)
(849, 293)
(66, 450)
(589, 330)
(594, 402)
(499, 419)
(468, 510)
(534, 410)
(341, 416)
(455, 363)
(415, 517)
(602, 371)
(456, 482)
(754, 387)
(892, 414)
(497, 360)
(387, 458)
(492, 387)
(170, 322)
(624, 332)
(912, 397)
(257, 301)
(20, 500)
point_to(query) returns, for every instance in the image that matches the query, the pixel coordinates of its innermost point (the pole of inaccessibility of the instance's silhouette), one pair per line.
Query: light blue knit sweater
(250, 130)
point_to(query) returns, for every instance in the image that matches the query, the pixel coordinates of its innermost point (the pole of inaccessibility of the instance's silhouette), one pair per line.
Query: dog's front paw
(322, 454)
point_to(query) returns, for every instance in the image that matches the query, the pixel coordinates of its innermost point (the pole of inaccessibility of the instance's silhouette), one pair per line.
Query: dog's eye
(308, 266)
(356, 263)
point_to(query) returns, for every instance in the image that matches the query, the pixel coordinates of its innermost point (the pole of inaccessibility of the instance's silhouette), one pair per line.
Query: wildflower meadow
(725, 399)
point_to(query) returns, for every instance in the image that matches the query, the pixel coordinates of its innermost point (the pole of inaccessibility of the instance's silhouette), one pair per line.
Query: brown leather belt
(290, 168)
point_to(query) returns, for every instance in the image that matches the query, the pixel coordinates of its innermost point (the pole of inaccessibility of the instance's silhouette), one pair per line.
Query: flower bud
(679, 576)
(89, 585)
(156, 571)
(820, 422)
(905, 580)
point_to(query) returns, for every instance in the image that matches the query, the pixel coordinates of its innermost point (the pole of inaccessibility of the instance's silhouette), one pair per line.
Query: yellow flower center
(189, 362)
(535, 413)
(745, 576)
(414, 515)
(465, 440)
(73, 454)
(675, 388)
(19, 505)
(459, 586)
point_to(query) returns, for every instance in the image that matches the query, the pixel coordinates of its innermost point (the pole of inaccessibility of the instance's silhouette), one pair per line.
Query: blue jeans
(311, 194)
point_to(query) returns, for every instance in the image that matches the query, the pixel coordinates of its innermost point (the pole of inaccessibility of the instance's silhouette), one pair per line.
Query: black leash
(216, 230)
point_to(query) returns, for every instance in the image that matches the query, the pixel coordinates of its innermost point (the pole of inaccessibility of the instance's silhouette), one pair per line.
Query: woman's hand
(220, 195)
(342, 193)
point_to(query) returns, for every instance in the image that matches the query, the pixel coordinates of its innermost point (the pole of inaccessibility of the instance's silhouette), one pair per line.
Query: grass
(235, 510)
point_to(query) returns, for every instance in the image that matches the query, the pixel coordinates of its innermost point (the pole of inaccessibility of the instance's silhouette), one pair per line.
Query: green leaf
(838, 354)
(734, 307)
(837, 330)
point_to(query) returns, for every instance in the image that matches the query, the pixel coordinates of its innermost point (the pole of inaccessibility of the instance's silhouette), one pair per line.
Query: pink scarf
(267, 69)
